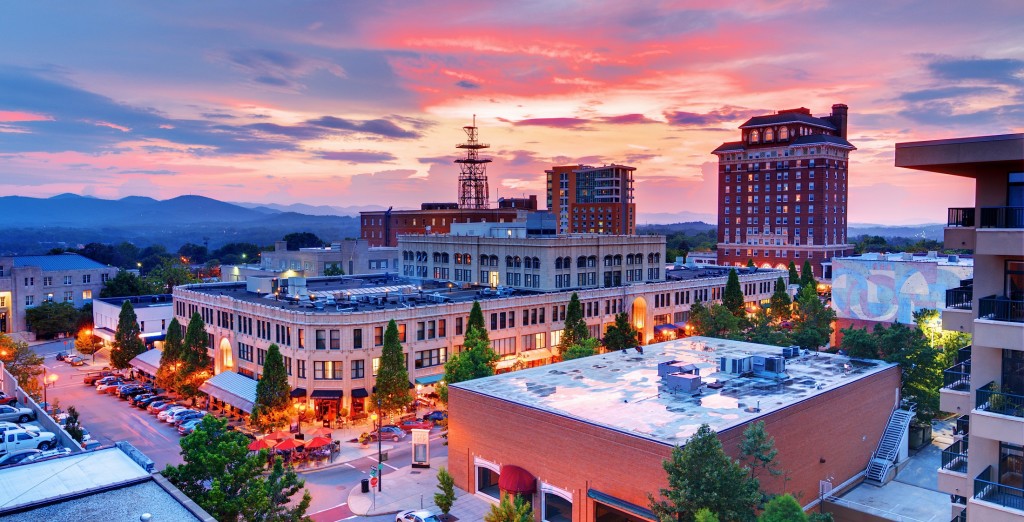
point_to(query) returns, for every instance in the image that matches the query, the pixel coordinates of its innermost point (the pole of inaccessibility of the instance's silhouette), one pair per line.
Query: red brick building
(783, 189)
(382, 227)
(584, 440)
(597, 200)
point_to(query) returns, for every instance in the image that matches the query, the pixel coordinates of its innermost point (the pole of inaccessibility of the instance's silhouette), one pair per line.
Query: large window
(319, 370)
(428, 358)
(556, 508)
(487, 482)
(357, 368)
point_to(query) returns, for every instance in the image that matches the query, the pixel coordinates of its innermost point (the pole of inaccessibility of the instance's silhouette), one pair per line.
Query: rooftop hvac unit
(737, 365)
(790, 351)
(775, 365)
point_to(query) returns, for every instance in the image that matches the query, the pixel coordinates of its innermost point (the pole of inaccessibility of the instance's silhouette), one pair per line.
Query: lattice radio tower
(473, 192)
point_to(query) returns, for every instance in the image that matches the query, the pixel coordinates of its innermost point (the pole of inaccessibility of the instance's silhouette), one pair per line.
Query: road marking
(350, 465)
(385, 463)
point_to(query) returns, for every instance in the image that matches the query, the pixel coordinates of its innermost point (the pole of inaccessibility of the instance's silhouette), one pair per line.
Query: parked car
(21, 438)
(436, 416)
(4, 426)
(389, 432)
(90, 378)
(415, 424)
(189, 426)
(76, 360)
(61, 356)
(15, 414)
(125, 392)
(416, 515)
(173, 416)
(48, 455)
(112, 390)
(144, 403)
(134, 400)
(103, 385)
(16, 457)
(181, 419)
(160, 406)
(8, 400)
(170, 411)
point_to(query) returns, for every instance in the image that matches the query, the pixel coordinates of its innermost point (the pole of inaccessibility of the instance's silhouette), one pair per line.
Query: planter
(920, 436)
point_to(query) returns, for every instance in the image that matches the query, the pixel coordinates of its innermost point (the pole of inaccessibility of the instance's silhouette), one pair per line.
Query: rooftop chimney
(839, 117)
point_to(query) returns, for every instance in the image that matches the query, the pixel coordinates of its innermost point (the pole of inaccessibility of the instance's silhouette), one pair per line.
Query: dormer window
(754, 136)
(769, 135)
(784, 133)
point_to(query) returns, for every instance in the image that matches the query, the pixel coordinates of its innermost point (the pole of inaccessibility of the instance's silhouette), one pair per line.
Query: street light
(380, 468)
(48, 380)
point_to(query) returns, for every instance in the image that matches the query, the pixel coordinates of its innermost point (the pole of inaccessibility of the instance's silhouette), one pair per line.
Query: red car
(415, 424)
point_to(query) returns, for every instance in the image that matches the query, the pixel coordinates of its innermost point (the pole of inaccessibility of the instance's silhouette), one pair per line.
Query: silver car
(10, 413)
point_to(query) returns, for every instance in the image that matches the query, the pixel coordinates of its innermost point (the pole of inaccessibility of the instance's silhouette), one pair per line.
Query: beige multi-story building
(331, 330)
(29, 281)
(351, 256)
(495, 254)
(986, 387)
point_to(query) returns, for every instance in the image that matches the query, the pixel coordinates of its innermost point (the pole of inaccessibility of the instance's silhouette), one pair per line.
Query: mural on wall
(891, 291)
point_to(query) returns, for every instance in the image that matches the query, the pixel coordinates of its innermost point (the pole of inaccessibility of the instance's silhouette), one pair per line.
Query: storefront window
(487, 482)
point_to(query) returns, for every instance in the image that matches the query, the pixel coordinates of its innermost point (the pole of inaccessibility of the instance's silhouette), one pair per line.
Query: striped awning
(232, 388)
(148, 361)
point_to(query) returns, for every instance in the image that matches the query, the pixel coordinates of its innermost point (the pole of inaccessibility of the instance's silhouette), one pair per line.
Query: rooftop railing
(989, 490)
(958, 377)
(960, 217)
(954, 458)
(960, 298)
(989, 398)
(1002, 217)
(1000, 308)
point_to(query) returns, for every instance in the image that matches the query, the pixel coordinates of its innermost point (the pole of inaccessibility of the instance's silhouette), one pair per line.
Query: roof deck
(623, 390)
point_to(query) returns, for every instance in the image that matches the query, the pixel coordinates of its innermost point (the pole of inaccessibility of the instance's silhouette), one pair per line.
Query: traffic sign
(380, 467)
(373, 472)
(373, 481)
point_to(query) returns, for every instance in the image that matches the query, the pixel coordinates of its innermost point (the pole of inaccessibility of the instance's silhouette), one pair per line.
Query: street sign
(373, 472)
(380, 467)
(373, 481)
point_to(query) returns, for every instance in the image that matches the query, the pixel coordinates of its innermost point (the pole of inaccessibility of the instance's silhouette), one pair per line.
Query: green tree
(701, 475)
(758, 452)
(705, 515)
(73, 426)
(273, 394)
(476, 360)
(807, 275)
(392, 375)
(446, 497)
(194, 253)
(334, 269)
(195, 365)
(512, 508)
(920, 363)
(859, 343)
(170, 358)
(812, 322)
(733, 296)
(169, 274)
(297, 240)
(23, 363)
(762, 331)
(794, 276)
(929, 321)
(783, 508)
(127, 344)
(50, 319)
(716, 321)
(585, 348)
(575, 326)
(476, 318)
(88, 344)
(126, 284)
(780, 303)
(621, 335)
(225, 479)
(750, 263)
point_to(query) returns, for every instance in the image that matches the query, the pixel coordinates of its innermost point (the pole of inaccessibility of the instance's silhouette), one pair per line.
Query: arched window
(444, 257)
(508, 261)
(517, 262)
(617, 260)
(467, 259)
(784, 133)
(608, 260)
(581, 262)
(650, 259)
(558, 263)
(458, 259)
(567, 263)
(754, 136)
(536, 263)
(437, 257)
(592, 261)
(769, 135)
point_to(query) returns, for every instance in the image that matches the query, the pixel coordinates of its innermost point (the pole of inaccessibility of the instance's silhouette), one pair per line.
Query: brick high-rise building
(782, 190)
(597, 200)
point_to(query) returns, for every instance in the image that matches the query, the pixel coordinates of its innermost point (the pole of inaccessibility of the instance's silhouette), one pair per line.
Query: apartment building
(351, 256)
(986, 386)
(589, 199)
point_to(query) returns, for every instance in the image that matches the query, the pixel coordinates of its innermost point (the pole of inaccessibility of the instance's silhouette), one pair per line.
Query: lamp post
(380, 454)
(48, 380)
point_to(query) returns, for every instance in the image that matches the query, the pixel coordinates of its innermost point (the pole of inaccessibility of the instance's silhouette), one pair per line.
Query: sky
(362, 103)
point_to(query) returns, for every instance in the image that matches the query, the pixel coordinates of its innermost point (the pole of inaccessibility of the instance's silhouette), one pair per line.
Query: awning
(298, 393)
(153, 336)
(326, 394)
(104, 333)
(620, 504)
(535, 355)
(430, 379)
(664, 327)
(514, 479)
(360, 393)
(232, 388)
(681, 326)
(148, 361)
(505, 364)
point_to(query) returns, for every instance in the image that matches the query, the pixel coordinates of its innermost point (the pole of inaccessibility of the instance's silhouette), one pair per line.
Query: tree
(392, 375)
(23, 363)
(733, 296)
(512, 508)
(476, 318)
(575, 326)
(297, 240)
(50, 319)
(780, 304)
(225, 479)
(334, 269)
(446, 497)
(170, 359)
(126, 284)
(812, 322)
(705, 515)
(88, 344)
(750, 263)
(807, 275)
(920, 363)
(273, 394)
(585, 348)
(762, 331)
(169, 274)
(194, 253)
(929, 321)
(621, 335)
(476, 360)
(194, 368)
(783, 508)
(757, 451)
(859, 343)
(794, 276)
(716, 321)
(701, 475)
(127, 344)
(73, 426)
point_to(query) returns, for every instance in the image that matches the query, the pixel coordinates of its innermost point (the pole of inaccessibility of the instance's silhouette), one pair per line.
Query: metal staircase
(884, 458)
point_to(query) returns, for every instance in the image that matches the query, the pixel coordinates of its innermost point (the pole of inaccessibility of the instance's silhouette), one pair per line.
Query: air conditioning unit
(737, 365)
(775, 365)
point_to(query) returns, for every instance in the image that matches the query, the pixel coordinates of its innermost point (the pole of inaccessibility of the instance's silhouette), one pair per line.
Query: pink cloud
(16, 116)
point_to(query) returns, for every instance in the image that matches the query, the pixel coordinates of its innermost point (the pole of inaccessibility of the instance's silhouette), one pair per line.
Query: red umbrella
(321, 432)
(261, 444)
(288, 444)
(317, 442)
(279, 435)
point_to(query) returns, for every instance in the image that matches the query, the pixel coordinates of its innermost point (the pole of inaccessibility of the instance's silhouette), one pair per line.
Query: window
(376, 365)
(487, 483)
(261, 356)
(87, 278)
(67, 280)
(30, 281)
(378, 337)
(47, 281)
(458, 326)
(104, 278)
(86, 294)
(335, 339)
(321, 339)
(357, 338)
(337, 369)
(358, 368)
(428, 358)
(69, 296)
(319, 370)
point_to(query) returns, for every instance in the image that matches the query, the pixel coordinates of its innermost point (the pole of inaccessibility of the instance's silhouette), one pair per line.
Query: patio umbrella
(278, 435)
(261, 444)
(317, 442)
(321, 432)
(288, 444)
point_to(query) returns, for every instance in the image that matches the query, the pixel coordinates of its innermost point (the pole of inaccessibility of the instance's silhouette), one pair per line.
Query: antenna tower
(473, 192)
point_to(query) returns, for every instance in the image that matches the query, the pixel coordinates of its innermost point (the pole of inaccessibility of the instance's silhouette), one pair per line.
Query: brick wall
(841, 426)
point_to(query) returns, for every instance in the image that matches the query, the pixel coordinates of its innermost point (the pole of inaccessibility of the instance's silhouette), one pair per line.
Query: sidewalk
(414, 488)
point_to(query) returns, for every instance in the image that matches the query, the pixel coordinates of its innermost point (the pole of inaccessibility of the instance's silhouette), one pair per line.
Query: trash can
(365, 485)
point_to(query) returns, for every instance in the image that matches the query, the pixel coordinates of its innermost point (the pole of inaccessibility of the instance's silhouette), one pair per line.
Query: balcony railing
(960, 298)
(1002, 217)
(963, 425)
(999, 308)
(958, 377)
(962, 517)
(992, 491)
(954, 458)
(963, 354)
(960, 217)
(989, 398)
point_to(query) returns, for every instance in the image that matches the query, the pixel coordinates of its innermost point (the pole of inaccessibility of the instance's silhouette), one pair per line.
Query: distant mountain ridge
(311, 210)
(80, 211)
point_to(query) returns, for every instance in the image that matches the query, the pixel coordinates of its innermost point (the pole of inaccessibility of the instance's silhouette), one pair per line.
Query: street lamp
(380, 467)
(48, 380)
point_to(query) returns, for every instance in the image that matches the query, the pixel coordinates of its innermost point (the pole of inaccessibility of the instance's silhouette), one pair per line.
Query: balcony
(1000, 308)
(957, 377)
(954, 458)
(963, 425)
(1001, 217)
(989, 398)
(960, 217)
(990, 490)
(960, 298)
